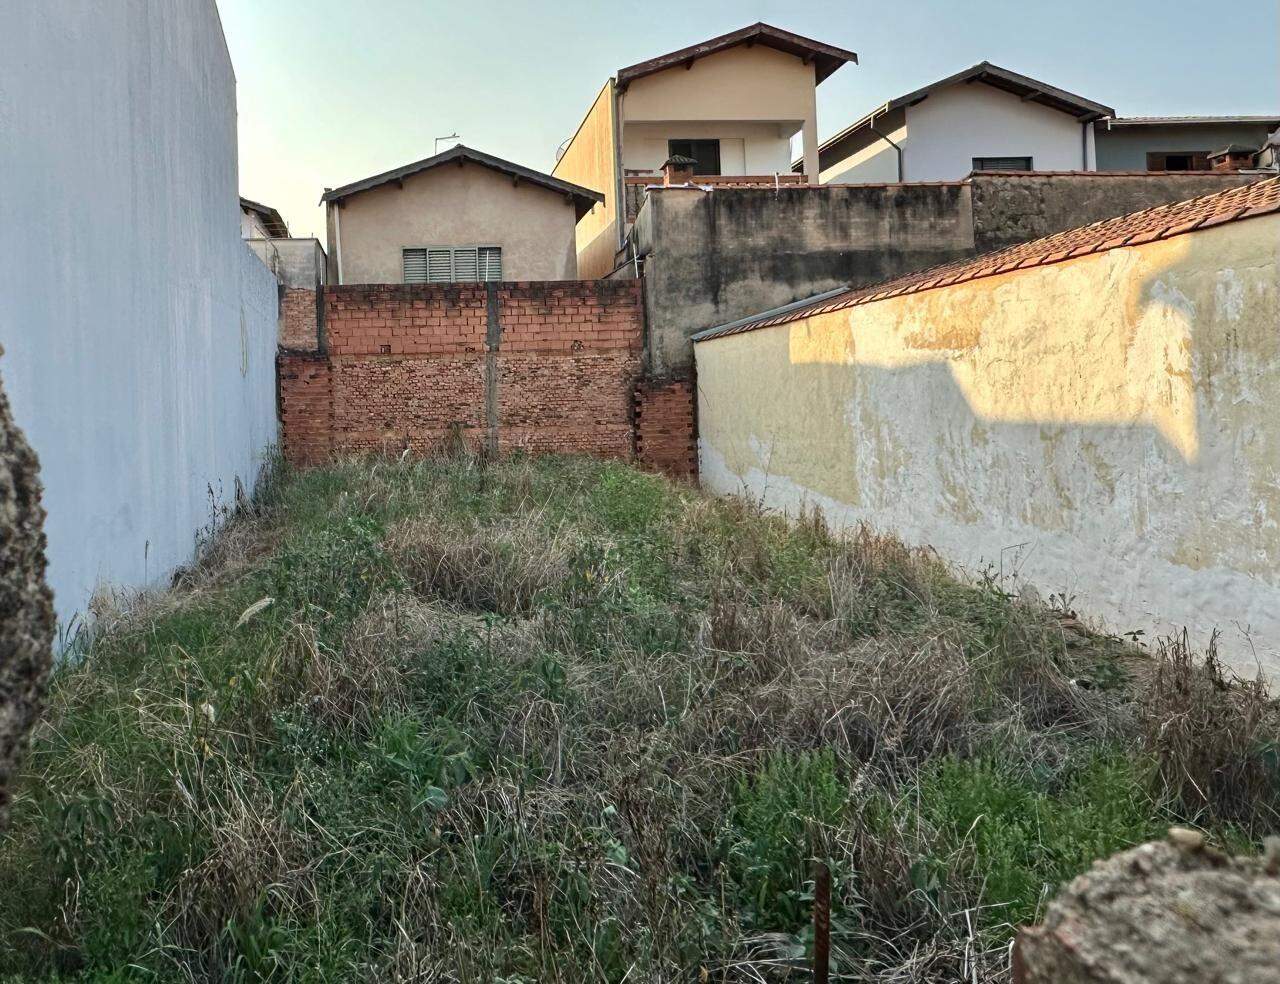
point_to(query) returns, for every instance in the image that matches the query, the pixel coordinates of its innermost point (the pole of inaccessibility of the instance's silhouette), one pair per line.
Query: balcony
(637, 183)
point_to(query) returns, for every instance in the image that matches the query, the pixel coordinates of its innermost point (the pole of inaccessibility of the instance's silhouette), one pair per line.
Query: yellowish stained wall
(590, 160)
(1105, 427)
(452, 205)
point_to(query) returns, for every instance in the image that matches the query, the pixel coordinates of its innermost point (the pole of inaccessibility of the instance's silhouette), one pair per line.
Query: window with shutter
(415, 266)
(439, 266)
(490, 262)
(451, 264)
(464, 265)
(1002, 164)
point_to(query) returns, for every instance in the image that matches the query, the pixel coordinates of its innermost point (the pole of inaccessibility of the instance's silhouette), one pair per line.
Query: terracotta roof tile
(1134, 229)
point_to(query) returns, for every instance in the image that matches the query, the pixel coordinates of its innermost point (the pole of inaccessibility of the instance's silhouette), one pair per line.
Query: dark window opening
(705, 152)
(1002, 164)
(1183, 160)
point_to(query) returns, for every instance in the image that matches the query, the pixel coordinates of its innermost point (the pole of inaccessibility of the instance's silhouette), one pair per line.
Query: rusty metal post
(821, 922)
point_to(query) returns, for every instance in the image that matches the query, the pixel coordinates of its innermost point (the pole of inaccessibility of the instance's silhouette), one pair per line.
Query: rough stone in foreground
(26, 604)
(1176, 912)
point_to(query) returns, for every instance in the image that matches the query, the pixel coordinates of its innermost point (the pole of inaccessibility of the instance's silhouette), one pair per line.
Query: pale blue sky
(331, 91)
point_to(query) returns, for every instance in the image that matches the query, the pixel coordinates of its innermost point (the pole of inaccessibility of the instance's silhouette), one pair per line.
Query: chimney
(1234, 157)
(678, 171)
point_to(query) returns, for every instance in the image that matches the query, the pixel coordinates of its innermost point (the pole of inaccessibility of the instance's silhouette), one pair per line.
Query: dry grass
(560, 721)
(1214, 735)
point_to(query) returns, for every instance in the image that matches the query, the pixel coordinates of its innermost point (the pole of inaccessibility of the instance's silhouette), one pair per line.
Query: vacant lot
(562, 721)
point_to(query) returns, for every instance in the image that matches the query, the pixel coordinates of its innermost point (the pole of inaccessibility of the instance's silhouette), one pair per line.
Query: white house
(984, 118)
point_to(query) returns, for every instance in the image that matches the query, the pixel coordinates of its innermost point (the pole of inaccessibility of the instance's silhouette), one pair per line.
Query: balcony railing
(637, 183)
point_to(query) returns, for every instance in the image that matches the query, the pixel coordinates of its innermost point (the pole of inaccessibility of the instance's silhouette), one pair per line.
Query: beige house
(734, 104)
(459, 216)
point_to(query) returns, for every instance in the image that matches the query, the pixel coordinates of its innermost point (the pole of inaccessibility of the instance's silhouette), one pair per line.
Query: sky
(331, 91)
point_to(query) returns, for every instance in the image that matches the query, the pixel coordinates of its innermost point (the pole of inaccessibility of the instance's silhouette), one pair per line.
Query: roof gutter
(871, 125)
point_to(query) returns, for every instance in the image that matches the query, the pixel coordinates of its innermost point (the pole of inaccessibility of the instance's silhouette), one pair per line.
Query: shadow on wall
(1101, 428)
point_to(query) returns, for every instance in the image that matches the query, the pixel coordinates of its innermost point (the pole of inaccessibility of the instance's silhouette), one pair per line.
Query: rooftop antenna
(448, 136)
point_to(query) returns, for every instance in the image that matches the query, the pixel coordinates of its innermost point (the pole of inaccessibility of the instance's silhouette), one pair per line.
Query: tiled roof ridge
(1133, 229)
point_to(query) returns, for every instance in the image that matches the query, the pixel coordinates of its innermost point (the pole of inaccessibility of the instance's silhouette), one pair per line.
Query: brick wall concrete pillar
(541, 367)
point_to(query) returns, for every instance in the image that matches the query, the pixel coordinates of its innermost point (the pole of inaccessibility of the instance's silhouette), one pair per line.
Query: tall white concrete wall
(138, 328)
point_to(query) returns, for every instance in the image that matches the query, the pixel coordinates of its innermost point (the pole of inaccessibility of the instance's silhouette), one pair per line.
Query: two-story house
(734, 104)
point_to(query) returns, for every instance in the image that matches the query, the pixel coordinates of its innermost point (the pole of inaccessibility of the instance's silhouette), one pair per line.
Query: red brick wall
(410, 364)
(298, 313)
(666, 429)
(305, 397)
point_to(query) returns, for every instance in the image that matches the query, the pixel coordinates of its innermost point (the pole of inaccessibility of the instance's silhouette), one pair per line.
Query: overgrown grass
(563, 721)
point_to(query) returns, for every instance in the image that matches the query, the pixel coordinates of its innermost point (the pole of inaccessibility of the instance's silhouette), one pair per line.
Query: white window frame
(475, 251)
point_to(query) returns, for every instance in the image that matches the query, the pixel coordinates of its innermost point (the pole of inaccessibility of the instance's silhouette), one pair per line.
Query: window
(1182, 160)
(705, 152)
(1002, 164)
(452, 264)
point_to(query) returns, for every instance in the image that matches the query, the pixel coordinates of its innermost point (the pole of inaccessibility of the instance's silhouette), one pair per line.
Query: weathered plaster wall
(1009, 209)
(295, 262)
(1103, 427)
(712, 257)
(139, 330)
(451, 205)
(717, 256)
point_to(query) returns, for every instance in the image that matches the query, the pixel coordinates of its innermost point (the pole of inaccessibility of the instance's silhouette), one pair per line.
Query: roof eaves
(1121, 121)
(1086, 107)
(827, 57)
(463, 153)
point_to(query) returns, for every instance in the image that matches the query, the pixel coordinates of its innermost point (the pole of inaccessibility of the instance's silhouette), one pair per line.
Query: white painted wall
(955, 125)
(138, 328)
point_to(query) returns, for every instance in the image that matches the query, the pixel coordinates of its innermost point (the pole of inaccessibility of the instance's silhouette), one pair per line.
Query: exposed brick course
(305, 397)
(666, 429)
(409, 365)
(298, 318)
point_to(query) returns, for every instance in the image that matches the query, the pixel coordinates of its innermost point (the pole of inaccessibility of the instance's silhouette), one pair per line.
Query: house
(985, 118)
(1175, 143)
(734, 104)
(461, 215)
(258, 221)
